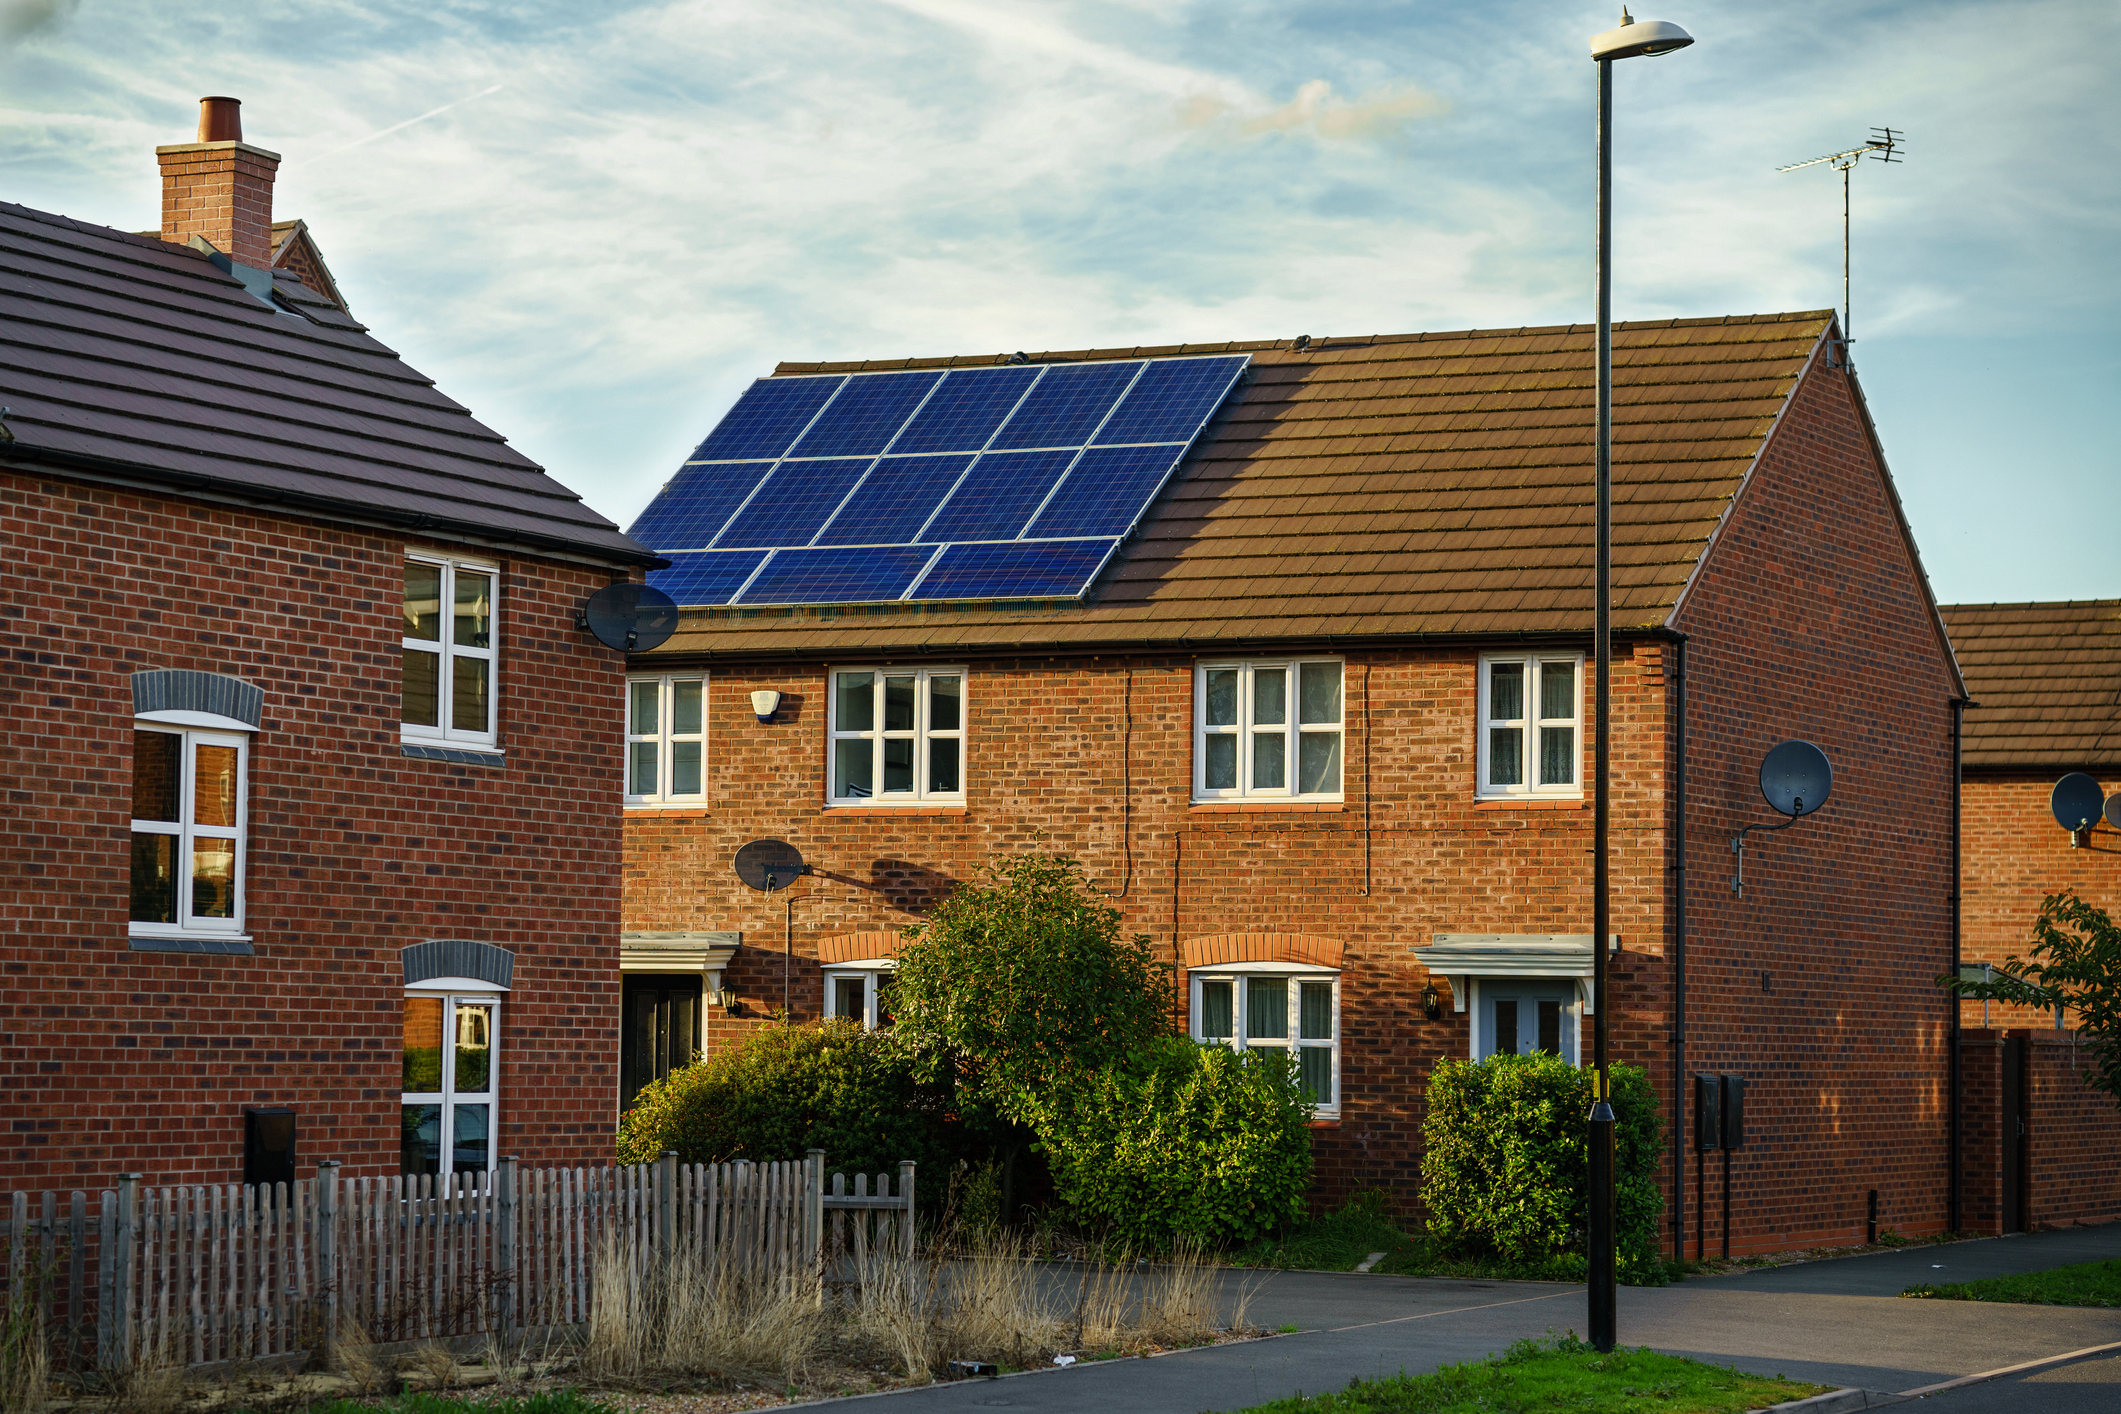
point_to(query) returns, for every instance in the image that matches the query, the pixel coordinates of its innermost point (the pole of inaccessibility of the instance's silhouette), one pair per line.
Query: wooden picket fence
(195, 1275)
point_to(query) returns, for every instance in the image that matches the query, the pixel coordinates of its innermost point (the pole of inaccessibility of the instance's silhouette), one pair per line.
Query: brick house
(1379, 547)
(2041, 1149)
(309, 769)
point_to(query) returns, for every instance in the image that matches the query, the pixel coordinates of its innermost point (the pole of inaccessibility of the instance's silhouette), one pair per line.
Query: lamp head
(1638, 37)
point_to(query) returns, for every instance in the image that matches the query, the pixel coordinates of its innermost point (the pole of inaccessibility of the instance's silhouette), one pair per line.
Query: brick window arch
(858, 968)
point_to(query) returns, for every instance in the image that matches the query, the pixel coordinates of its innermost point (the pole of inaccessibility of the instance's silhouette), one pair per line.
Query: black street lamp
(1630, 39)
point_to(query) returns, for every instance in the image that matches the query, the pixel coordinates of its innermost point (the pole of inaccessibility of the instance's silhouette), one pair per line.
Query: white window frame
(443, 643)
(1244, 731)
(1529, 726)
(872, 972)
(190, 737)
(452, 991)
(1239, 975)
(921, 734)
(1572, 1019)
(665, 738)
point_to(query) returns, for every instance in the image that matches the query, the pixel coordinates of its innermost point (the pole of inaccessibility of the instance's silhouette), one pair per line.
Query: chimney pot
(220, 120)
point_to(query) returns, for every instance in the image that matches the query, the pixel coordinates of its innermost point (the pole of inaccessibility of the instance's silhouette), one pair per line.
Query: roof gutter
(145, 476)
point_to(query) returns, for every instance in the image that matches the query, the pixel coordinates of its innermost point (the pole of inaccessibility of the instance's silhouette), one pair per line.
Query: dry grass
(699, 1319)
(25, 1353)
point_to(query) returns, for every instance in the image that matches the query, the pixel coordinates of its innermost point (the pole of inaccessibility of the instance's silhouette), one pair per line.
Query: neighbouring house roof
(128, 357)
(1420, 484)
(2047, 678)
(294, 248)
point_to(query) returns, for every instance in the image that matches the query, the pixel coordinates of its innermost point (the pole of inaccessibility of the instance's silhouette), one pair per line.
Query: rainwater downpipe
(1679, 1086)
(1959, 706)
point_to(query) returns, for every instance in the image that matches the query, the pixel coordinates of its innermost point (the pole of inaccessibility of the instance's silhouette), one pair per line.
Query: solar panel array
(1011, 482)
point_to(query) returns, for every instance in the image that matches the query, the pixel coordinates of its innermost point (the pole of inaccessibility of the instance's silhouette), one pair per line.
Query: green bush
(1505, 1166)
(1182, 1143)
(787, 1089)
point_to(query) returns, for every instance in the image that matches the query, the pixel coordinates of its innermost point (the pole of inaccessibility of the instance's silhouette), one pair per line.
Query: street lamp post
(1633, 37)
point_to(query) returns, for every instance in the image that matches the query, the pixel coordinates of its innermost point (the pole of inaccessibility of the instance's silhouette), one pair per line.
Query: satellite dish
(767, 865)
(1796, 778)
(632, 618)
(2076, 802)
(2113, 810)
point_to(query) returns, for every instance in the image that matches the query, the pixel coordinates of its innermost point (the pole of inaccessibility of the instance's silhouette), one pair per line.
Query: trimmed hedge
(788, 1089)
(1505, 1171)
(1182, 1143)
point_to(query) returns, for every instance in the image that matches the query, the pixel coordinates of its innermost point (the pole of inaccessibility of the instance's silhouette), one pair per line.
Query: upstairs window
(1531, 710)
(190, 803)
(898, 736)
(1267, 730)
(449, 677)
(666, 740)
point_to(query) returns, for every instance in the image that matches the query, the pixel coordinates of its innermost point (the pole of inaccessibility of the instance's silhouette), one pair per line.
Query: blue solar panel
(793, 503)
(838, 574)
(863, 418)
(895, 502)
(965, 411)
(1023, 569)
(688, 512)
(708, 577)
(1015, 480)
(772, 413)
(997, 496)
(1170, 400)
(1105, 491)
(1066, 406)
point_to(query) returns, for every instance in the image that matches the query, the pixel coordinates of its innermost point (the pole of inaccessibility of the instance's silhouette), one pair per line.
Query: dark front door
(2014, 1135)
(658, 1028)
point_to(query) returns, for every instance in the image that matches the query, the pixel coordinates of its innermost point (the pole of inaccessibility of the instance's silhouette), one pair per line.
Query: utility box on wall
(1734, 1112)
(1708, 1111)
(268, 1146)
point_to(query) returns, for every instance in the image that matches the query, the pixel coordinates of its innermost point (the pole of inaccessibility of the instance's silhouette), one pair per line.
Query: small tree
(1019, 986)
(1022, 982)
(2074, 962)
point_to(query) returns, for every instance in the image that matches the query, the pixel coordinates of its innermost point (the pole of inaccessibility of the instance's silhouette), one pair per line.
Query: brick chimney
(220, 187)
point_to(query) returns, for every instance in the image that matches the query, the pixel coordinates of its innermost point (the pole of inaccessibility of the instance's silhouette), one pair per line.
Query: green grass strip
(2085, 1284)
(1565, 1376)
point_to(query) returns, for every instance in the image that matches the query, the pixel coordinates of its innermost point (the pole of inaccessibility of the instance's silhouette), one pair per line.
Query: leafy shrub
(1182, 1143)
(1505, 1163)
(787, 1089)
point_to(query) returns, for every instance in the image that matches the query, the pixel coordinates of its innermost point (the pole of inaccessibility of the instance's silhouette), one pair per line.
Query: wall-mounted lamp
(765, 702)
(1431, 1002)
(725, 999)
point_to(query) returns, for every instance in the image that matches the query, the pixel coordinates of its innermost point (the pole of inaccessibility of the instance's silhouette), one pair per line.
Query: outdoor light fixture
(1633, 37)
(1431, 1002)
(765, 702)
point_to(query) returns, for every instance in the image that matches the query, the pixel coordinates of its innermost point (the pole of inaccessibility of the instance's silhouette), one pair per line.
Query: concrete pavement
(1838, 1323)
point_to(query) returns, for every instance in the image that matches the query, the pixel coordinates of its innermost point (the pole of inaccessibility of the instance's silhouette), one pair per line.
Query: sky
(595, 224)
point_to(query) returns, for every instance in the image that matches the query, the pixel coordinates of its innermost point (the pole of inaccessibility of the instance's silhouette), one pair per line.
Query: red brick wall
(1093, 758)
(1981, 1131)
(120, 1060)
(222, 191)
(1809, 621)
(2014, 855)
(2073, 1167)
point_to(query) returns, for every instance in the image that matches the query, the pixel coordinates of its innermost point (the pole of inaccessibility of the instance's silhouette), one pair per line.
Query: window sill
(674, 807)
(200, 944)
(1266, 807)
(836, 808)
(455, 755)
(1323, 1122)
(1531, 802)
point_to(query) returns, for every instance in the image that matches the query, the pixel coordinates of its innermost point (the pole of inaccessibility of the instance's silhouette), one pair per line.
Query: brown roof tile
(1413, 484)
(2048, 681)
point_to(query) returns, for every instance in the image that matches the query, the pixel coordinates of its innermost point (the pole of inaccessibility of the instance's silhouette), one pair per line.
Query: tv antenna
(1884, 146)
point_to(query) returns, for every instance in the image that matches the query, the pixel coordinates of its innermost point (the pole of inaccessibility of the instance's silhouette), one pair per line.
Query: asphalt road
(1838, 1323)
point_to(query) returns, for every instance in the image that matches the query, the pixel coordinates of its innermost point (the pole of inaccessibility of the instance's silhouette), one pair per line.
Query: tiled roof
(2048, 681)
(1412, 484)
(132, 356)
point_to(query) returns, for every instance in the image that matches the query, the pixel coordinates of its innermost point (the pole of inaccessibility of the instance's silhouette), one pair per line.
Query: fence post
(121, 1316)
(814, 1209)
(905, 1223)
(328, 1255)
(504, 1243)
(666, 1172)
